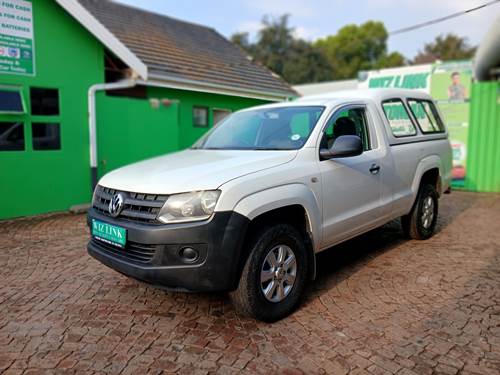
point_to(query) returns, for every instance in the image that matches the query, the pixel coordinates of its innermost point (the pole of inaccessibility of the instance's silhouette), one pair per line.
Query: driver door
(351, 186)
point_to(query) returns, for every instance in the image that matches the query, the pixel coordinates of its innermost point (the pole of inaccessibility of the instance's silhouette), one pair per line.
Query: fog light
(188, 254)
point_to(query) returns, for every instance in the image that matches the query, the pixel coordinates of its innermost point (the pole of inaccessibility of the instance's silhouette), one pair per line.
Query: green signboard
(17, 44)
(408, 77)
(450, 87)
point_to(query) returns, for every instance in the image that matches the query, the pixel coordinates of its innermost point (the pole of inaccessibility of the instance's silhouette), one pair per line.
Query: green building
(88, 86)
(484, 133)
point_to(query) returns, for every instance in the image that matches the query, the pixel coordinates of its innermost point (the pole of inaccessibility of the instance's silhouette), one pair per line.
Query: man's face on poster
(455, 78)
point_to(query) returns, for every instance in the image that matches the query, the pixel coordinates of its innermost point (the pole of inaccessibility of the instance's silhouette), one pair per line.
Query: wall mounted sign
(17, 42)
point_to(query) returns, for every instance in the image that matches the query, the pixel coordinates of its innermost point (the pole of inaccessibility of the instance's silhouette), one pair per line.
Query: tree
(274, 42)
(242, 40)
(306, 64)
(296, 60)
(356, 48)
(391, 60)
(445, 47)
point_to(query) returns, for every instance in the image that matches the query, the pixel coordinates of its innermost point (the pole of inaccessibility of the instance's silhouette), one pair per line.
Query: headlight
(198, 205)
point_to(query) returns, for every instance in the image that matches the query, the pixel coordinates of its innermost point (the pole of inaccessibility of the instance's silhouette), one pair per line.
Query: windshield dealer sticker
(295, 137)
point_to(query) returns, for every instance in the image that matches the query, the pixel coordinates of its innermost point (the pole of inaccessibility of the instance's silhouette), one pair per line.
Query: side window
(426, 115)
(46, 136)
(200, 116)
(11, 136)
(398, 117)
(11, 100)
(347, 122)
(44, 102)
(220, 114)
(46, 130)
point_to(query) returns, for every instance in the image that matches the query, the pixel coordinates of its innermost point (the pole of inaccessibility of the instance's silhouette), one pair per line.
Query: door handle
(374, 169)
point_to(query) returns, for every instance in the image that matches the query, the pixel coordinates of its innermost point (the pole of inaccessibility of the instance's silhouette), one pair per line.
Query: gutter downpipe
(92, 120)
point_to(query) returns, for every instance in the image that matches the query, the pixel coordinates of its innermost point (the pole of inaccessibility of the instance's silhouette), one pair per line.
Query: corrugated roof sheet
(177, 49)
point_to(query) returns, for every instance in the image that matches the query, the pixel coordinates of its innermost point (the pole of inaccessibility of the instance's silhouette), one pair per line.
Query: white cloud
(302, 32)
(250, 27)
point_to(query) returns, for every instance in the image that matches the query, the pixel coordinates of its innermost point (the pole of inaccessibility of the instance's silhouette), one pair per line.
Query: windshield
(283, 128)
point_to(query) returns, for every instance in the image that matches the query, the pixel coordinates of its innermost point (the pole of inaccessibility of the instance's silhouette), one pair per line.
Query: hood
(192, 170)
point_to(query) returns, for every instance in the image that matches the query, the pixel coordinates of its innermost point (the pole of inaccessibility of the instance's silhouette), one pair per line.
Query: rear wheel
(274, 275)
(420, 223)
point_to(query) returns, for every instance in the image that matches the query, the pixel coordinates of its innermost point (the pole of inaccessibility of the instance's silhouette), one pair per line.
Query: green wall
(129, 130)
(67, 58)
(483, 159)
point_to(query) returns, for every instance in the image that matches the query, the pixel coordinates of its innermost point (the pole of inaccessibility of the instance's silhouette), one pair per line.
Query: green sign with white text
(17, 44)
(450, 87)
(109, 233)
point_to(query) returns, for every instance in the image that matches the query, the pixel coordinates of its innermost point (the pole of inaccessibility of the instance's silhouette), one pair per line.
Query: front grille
(137, 206)
(136, 252)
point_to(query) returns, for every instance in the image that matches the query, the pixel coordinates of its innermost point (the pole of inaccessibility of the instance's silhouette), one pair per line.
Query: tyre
(420, 223)
(274, 275)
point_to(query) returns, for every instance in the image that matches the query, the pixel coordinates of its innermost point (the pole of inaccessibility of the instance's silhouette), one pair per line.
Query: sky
(313, 19)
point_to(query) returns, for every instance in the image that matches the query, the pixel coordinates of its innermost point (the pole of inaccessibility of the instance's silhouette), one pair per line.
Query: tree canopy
(356, 48)
(445, 47)
(294, 59)
(339, 56)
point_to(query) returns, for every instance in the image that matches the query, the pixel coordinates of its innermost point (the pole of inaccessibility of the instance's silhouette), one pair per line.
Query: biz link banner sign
(409, 77)
(17, 45)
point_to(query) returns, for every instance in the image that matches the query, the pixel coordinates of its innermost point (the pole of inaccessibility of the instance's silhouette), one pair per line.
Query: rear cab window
(398, 117)
(426, 115)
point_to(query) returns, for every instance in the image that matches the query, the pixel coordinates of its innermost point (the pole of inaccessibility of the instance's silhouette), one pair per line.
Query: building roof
(166, 49)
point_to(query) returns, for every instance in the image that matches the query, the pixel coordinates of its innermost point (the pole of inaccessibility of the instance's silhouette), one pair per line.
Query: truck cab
(247, 208)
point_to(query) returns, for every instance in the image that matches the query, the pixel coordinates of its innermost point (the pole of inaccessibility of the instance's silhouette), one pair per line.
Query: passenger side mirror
(344, 146)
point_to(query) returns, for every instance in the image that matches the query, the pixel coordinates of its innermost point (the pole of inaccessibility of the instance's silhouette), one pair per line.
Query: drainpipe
(92, 120)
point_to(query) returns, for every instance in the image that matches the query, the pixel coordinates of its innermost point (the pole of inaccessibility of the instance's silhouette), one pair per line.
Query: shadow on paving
(348, 257)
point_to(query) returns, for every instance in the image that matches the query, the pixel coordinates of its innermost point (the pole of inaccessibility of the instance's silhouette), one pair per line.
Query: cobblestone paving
(380, 305)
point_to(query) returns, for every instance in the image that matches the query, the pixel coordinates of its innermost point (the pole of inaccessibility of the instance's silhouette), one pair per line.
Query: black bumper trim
(220, 240)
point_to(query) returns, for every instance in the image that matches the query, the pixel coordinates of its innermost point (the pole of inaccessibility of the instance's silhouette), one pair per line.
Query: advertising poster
(409, 77)
(450, 87)
(17, 48)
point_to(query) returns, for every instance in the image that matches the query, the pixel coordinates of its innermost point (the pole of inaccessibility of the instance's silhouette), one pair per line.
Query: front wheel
(274, 275)
(420, 223)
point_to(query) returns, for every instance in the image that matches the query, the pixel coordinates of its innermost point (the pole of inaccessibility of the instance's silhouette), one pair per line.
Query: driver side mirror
(344, 146)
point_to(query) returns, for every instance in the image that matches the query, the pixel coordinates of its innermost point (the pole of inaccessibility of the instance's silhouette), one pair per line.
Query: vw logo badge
(116, 205)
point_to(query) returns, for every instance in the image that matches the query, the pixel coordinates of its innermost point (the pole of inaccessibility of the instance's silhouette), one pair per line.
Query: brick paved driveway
(381, 305)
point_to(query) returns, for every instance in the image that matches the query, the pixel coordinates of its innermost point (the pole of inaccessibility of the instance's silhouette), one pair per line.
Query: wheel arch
(428, 170)
(291, 204)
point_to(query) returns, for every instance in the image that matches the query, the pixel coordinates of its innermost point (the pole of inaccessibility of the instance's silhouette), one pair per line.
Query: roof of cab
(377, 95)
(337, 97)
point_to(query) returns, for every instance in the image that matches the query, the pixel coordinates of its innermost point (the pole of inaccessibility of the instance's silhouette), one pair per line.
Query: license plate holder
(111, 234)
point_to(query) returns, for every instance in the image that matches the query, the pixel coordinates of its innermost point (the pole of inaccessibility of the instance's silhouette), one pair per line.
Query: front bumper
(219, 242)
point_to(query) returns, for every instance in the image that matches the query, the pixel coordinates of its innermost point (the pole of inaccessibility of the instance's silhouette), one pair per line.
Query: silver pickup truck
(250, 204)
